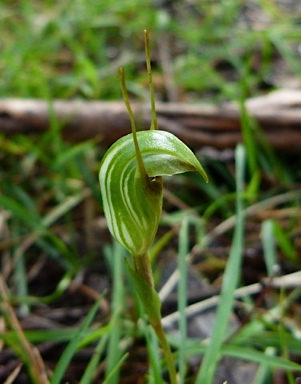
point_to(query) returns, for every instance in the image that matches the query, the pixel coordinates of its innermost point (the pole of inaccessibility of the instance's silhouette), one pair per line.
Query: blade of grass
(21, 284)
(247, 124)
(182, 296)
(90, 370)
(72, 347)
(155, 373)
(115, 371)
(269, 247)
(264, 339)
(250, 354)
(44, 335)
(94, 335)
(230, 281)
(264, 371)
(115, 257)
(284, 242)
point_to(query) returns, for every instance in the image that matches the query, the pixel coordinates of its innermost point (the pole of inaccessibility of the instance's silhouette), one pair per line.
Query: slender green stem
(142, 267)
(154, 124)
(167, 352)
(139, 158)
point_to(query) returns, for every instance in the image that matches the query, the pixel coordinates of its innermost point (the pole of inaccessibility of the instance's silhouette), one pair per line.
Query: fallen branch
(278, 114)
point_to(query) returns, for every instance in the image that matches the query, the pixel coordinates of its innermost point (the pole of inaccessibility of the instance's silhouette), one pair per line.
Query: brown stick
(36, 365)
(278, 114)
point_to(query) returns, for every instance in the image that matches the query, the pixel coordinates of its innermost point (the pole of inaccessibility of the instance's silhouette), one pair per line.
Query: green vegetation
(64, 286)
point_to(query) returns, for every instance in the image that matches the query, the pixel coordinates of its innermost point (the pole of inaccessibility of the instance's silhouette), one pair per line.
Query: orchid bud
(132, 199)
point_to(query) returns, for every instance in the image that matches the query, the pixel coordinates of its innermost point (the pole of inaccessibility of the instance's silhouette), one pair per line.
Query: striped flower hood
(132, 202)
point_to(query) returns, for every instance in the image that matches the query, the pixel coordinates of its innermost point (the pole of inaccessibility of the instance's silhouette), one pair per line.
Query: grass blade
(70, 350)
(231, 277)
(87, 377)
(250, 354)
(182, 296)
(115, 257)
(154, 358)
(115, 371)
(269, 247)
